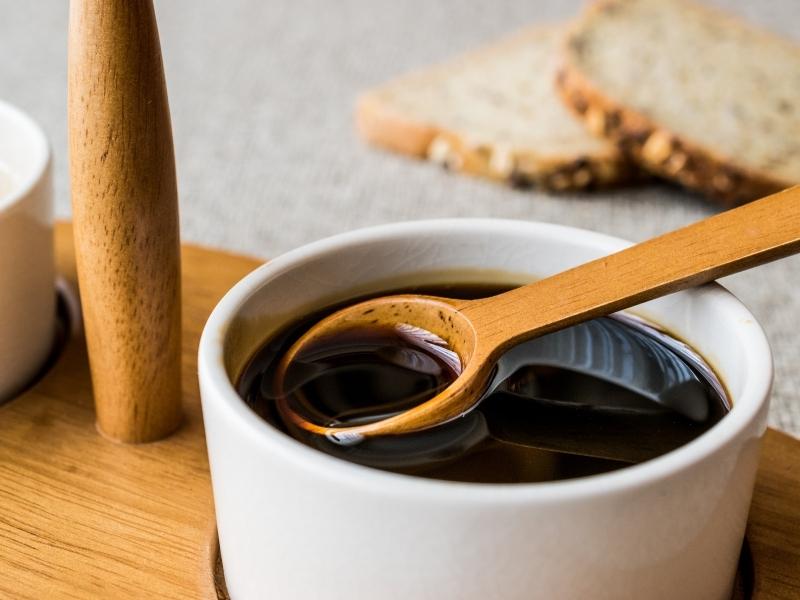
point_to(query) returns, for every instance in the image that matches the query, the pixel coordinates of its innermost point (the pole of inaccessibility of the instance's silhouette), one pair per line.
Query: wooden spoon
(480, 331)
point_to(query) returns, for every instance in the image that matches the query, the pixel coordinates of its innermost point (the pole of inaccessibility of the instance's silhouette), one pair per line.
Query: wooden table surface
(82, 517)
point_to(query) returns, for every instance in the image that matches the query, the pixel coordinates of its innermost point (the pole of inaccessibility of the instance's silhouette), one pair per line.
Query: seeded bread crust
(381, 123)
(653, 147)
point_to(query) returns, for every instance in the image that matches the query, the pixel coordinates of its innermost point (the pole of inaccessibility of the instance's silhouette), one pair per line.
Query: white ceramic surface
(297, 524)
(27, 296)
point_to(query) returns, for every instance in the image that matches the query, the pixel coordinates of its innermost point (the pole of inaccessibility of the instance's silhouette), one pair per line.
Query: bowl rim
(217, 389)
(41, 162)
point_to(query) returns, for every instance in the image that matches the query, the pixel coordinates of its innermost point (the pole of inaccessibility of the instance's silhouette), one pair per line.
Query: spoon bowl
(630, 355)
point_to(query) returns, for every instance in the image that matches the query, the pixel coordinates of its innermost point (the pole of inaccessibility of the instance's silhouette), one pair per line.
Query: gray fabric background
(262, 94)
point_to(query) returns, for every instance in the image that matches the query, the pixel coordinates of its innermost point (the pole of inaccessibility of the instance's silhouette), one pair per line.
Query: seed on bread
(440, 151)
(501, 162)
(658, 147)
(596, 120)
(581, 178)
(675, 162)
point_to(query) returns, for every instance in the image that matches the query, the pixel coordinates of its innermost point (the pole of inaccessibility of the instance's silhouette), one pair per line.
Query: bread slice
(495, 113)
(691, 93)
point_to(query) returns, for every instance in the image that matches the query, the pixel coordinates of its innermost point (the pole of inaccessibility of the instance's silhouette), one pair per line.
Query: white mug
(27, 289)
(295, 523)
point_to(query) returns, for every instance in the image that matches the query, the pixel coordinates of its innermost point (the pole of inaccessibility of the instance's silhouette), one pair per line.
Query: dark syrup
(543, 423)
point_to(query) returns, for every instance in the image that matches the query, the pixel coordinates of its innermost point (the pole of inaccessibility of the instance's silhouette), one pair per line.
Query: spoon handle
(733, 241)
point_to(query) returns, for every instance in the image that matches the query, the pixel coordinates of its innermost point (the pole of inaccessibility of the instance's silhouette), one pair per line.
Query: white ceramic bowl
(27, 288)
(296, 523)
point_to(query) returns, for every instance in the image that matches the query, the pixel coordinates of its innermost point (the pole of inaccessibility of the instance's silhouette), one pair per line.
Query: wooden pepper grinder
(125, 211)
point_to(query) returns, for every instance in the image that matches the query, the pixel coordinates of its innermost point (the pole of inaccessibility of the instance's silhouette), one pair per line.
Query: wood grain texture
(480, 331)
(83, 518)
(124, 200)
(773, 529)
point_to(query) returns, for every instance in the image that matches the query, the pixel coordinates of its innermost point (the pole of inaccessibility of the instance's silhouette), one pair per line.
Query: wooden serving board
(82, 517)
